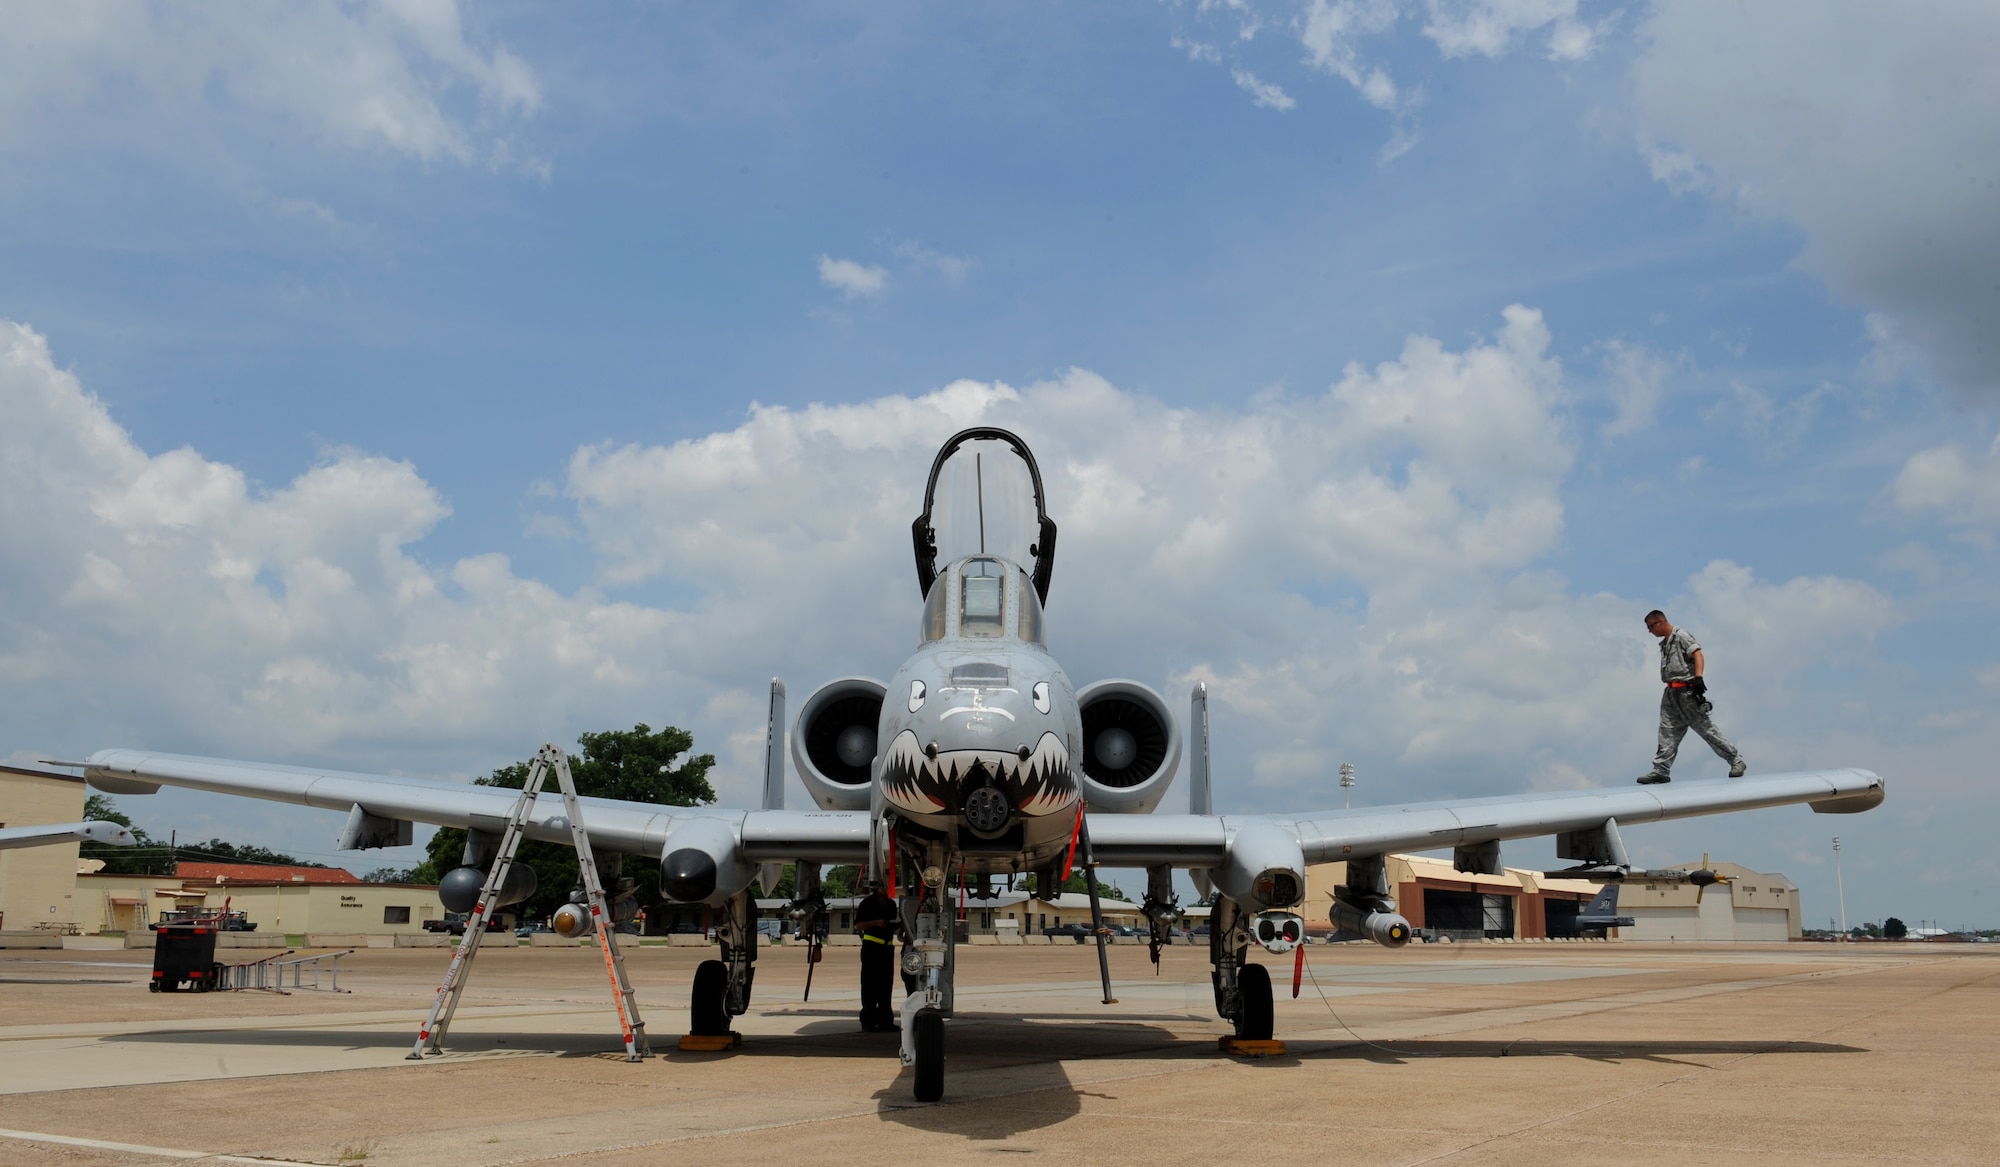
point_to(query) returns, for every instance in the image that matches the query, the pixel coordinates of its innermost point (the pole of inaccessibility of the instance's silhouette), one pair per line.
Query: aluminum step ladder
(430, 1038)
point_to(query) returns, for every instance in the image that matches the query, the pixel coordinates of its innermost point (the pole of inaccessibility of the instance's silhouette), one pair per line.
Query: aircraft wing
(613, 824)
(95, 832)
(1323, 836)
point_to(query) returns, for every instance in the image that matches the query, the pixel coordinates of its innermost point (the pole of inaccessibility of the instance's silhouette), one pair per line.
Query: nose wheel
(928, 1032)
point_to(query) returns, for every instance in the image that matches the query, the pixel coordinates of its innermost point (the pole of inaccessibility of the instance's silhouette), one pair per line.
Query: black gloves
(1698, 687)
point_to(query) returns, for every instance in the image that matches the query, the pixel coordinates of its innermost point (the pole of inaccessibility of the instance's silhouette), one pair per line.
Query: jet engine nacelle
(1388, 929)
(833, 742)
(458, 891)
(1131, 747)
(703, 862)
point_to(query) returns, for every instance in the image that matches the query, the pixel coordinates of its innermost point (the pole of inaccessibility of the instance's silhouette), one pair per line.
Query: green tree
(1077, 884)
(837, 882)
(149, 857)
(1894, 929)
(637, 765)
(218, 850)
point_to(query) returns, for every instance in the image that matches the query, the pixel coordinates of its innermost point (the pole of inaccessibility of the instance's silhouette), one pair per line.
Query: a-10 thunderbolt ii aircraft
(978, 761)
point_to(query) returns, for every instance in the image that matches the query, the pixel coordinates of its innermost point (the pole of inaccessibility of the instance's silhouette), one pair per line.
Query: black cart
(184, 958)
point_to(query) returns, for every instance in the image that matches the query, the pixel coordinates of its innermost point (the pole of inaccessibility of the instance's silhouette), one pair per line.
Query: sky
(396, 386)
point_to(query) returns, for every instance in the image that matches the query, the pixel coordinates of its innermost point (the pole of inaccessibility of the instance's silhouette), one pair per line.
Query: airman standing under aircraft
(1684, 703)
(875, 919)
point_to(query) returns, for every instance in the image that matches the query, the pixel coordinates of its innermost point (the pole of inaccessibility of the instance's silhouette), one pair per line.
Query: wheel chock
(1244, 1047)
(709, 1043)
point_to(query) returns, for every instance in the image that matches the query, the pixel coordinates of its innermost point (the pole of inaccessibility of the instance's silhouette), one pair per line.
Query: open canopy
(985, 498)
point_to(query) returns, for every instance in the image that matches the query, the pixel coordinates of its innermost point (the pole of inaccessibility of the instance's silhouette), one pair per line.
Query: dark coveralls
(875, 918)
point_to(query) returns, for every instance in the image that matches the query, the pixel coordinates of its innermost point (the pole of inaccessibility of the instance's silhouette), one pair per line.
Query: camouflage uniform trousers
(1678, 714)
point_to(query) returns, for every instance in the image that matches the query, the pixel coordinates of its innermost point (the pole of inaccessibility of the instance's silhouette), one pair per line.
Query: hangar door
(1468, 915)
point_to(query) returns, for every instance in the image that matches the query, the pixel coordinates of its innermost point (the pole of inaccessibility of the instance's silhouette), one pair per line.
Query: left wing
(1186, 840)
(95, 832)
(613, 824)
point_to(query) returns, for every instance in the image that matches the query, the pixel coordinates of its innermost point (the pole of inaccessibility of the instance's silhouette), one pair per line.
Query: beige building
(291, 900)
(1518, 904)
(37, 884)
(1751, 906)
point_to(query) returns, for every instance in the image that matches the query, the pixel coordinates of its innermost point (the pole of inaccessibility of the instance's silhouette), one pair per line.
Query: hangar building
(1519, 904)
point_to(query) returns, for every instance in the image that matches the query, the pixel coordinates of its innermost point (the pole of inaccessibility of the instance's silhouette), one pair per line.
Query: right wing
(95, 832)
(635, 828)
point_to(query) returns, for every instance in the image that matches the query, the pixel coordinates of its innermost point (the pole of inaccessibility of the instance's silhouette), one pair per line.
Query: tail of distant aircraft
(1602, 912)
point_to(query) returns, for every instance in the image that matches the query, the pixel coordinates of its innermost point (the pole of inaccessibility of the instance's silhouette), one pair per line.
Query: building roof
(262, 873)
(26, 772)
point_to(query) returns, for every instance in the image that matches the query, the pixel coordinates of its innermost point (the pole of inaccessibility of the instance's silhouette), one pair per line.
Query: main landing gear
(722, 987)
(1242, 989)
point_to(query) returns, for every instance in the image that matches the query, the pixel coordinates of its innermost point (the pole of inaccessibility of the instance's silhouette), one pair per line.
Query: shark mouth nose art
(1033, 782)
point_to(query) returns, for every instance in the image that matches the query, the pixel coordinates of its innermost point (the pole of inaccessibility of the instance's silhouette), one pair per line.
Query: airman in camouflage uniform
(1681, 703)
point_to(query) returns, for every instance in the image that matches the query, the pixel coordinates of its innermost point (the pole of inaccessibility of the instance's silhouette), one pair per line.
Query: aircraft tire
(928, 1030)
(708, 1013)
(1253, 986)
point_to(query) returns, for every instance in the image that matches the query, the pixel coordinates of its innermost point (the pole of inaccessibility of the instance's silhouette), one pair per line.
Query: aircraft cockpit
(984, 499)
(983, 597)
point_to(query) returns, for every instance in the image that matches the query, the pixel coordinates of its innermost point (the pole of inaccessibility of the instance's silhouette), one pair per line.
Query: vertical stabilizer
(774, 776)
(774, 749)
(1200, 798)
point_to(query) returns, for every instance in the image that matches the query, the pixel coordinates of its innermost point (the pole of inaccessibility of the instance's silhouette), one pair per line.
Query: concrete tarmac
(1614, 1053)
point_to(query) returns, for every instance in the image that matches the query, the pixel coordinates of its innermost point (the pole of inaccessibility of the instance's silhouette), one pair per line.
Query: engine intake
(1131, 746)
(834, 742)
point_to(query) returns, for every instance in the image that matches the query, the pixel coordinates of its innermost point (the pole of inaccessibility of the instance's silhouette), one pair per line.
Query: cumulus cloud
(371, 75)
(165, 595)
(851, 278)
(1359, 573)
(1956, 486)
(1876, 132)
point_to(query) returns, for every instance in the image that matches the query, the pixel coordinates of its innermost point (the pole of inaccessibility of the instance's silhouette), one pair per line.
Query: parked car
(1080, 931)
(453, 922)
(527, 930)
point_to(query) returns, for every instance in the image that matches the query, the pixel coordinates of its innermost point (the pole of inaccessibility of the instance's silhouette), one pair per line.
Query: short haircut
(1650, 616)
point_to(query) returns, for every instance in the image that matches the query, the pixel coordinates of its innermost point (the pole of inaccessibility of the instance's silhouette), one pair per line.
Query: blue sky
(386, 379)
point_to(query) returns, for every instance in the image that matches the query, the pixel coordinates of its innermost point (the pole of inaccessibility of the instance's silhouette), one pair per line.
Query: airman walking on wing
(1684, 703)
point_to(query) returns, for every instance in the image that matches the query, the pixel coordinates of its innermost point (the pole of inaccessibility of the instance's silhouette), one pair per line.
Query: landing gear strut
(927, 918)
(722, 987)
(1242, 989)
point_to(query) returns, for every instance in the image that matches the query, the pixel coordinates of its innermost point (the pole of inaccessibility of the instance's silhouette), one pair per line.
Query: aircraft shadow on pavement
(560, 1044)
(1673, 1052)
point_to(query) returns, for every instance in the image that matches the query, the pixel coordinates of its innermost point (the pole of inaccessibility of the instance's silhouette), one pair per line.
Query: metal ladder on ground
(430, 1039)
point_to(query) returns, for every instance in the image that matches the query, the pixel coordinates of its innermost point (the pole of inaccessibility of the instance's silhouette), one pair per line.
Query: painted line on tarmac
(157, 1152)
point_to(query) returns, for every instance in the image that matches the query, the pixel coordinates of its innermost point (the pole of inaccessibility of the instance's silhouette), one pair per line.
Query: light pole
(1346, 785)
(1840, 883)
